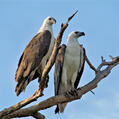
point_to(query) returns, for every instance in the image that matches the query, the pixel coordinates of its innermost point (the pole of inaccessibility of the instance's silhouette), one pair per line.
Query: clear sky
(99, 19)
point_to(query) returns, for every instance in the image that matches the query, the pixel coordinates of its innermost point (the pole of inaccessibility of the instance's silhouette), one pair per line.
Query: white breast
(71, 60)
(72, 56)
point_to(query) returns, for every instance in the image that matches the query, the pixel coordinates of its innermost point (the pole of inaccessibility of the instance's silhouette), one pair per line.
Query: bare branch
(104, 63)
(19, 105)
(71, 17)
(38, 115)
(90, 65)
(62, 98)
(112, 58)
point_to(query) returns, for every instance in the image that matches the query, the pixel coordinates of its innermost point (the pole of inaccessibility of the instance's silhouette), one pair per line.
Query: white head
(47, 24)
(49, 21)
(73, 36)
(76, 35)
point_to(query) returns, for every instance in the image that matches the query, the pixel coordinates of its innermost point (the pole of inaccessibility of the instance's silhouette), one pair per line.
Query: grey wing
(82, 63)
(58, 68)
(32, 56)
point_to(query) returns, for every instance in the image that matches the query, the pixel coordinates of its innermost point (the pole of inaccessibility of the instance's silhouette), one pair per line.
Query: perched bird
(69, 67)
(35, 55)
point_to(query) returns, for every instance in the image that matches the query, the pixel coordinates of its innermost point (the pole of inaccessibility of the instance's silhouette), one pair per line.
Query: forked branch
(101, 74)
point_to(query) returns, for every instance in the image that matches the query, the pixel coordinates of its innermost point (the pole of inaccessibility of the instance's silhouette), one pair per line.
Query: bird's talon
(79, 88)
(67, 95)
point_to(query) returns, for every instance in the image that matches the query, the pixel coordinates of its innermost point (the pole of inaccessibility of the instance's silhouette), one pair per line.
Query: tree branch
(62, 98)
(90, 65)
(19, 105)
(38, 115)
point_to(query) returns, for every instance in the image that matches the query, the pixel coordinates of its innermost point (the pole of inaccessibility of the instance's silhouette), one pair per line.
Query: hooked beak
(82, 34)
(54, 20)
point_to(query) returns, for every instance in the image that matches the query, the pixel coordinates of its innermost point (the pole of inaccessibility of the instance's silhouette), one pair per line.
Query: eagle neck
(72, 41)
(46, 27)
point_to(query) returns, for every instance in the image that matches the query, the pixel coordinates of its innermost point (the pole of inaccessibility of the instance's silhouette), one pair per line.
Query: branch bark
(90, 65)
(19, 105)
(101, 74)
(38, 115)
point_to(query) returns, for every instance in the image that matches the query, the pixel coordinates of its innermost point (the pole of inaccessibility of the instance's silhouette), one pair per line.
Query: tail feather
(23, 82)
(57, 110)
(60, 108)
(21, 86)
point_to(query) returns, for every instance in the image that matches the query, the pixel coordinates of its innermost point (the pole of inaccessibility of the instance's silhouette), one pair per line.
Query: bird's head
(47, 24)
(49, 20)
(76, 34)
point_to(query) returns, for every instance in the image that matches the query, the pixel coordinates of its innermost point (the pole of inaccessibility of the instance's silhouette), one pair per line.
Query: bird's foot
(79, 88)
(71, 92)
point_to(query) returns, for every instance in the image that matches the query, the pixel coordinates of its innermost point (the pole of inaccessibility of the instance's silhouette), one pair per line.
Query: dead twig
(19, 105)
(90, 65)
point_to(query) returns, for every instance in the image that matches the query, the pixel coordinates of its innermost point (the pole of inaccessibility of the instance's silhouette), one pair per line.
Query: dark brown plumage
(58, 66)
(81, 71)
(30, 60)
(58, 71)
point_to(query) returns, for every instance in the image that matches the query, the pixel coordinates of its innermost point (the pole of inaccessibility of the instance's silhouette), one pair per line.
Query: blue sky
(19, 22)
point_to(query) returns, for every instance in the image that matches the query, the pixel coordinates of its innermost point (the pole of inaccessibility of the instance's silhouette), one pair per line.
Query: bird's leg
(67, 94)
(74, 91)
(79, 88)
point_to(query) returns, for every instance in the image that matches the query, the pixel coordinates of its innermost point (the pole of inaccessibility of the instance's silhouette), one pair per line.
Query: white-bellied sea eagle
(69, 67)
(35, 55)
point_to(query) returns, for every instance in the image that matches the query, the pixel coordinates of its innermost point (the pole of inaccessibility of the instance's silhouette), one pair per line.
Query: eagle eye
(76, 32)
(50, 18)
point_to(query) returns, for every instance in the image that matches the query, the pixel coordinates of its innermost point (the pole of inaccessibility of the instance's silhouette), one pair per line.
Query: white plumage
(71, 60)
(72, 64)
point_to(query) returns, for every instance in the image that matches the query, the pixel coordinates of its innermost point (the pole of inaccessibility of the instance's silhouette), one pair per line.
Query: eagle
(35, 56)
(69, 66)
